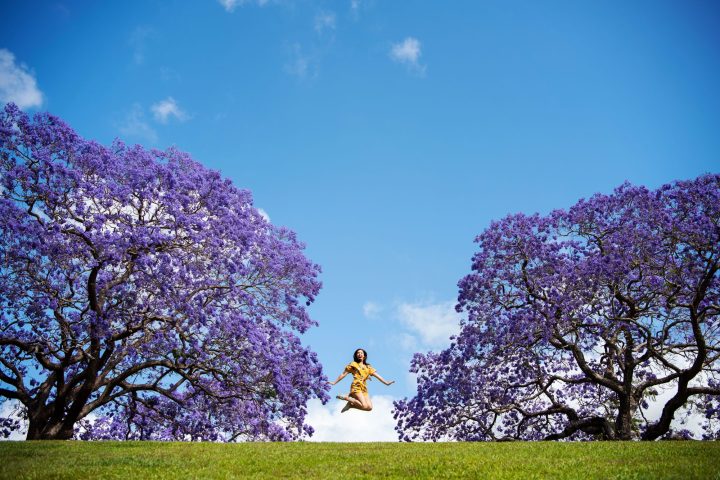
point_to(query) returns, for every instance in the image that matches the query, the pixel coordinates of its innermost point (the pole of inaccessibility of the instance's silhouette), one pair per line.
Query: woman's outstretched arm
(376, 375)
(340, 377)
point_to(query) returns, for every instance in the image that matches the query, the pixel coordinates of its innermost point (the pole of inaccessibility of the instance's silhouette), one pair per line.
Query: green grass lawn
(340, 461)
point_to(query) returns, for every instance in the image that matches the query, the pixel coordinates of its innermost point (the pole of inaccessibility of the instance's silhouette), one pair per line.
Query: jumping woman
(361, 372)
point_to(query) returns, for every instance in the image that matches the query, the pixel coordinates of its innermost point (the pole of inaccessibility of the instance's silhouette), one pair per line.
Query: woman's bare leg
(351, 403)
(368, 402)
(354, 401)
(364, 400)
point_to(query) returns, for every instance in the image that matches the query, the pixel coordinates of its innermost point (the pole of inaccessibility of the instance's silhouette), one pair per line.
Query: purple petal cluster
(578, 320)
(141, 287)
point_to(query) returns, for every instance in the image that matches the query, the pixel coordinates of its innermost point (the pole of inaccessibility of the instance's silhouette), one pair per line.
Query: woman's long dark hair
(355, 355)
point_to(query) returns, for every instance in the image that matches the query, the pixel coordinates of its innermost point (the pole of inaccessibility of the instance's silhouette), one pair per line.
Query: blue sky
(387, 134)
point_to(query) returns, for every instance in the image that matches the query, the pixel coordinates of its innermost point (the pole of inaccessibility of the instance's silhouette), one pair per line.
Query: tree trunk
(623, 421)
(49, 432)
(52, 434)
(43, 427)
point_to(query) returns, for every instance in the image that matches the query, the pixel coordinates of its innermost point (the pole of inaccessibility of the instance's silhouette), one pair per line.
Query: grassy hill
(344, 461)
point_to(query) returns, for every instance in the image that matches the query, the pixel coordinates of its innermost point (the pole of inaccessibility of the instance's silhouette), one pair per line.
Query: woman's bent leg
(364, 401)
(368, 402)
(354, 402)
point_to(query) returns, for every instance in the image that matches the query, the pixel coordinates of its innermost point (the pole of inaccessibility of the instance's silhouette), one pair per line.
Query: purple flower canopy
(145, 289)
(578, 320)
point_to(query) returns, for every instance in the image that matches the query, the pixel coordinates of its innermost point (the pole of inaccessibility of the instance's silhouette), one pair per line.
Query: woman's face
(360, 355)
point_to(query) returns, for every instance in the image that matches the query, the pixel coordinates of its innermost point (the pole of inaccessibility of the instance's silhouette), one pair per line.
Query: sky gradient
(386, 134)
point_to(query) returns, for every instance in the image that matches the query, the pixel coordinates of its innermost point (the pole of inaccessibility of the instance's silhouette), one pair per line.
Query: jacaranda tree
(602, 321)
(143, 296)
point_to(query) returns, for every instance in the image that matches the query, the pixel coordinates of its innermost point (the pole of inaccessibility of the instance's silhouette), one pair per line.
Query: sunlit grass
(339, 461)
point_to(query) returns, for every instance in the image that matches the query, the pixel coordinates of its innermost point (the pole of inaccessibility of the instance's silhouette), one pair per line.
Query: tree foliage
(601, 321)
(147, 290)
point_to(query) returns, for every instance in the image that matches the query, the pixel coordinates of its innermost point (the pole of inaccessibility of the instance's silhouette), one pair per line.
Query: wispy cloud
(432, 323)
(168, 74)
(231, 5)
(138, 42)
(331, 425)
(408, 342)
(135, 125)
(165, 109)
(17, 83)
(423, 325)
(264, 214)
(371, 310)
(325, 21)
(408, 53)
(300, 64)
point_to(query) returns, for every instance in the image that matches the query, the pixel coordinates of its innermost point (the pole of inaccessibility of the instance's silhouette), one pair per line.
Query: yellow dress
(361, 373)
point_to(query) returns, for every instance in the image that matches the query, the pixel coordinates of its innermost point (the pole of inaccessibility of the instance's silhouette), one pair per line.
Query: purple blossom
(575, 318)
(147, 290)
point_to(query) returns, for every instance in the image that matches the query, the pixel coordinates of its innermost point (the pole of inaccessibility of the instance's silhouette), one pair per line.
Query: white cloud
(371, 310)
(264, 214)
(408, 342)
(354, 425)
(138, 41)
(434, 323)
(325, 21)
(135, 125)
(168, 74)
(167, 108)
(300, 65)
(408, 53)
(231, 5)
(17, 83)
